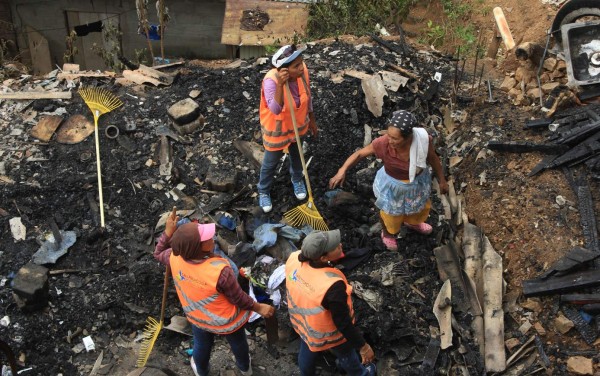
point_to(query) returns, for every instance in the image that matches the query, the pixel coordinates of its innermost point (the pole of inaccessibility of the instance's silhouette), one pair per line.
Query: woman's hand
(312, 126)
(338, 179)
(264, 310)
(443, 186)
(283, 75)
(171, 224)
(367, 354)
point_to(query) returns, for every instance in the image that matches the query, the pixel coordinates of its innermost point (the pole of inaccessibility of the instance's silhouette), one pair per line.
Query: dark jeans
(348, 360)
(269, 165)
(203, 343)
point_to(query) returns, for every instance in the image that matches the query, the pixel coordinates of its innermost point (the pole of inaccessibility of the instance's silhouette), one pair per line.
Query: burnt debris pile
(188, 135)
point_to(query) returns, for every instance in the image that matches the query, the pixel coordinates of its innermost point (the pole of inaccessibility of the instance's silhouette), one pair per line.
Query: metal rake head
(306, 214)
(100, 101)
(150, 335)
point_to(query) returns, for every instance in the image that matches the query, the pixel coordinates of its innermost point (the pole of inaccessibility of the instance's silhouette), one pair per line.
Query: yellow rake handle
(99, 170)
(298, 141)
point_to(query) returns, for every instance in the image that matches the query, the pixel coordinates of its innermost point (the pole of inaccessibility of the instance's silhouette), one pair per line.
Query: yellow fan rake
(100, 101)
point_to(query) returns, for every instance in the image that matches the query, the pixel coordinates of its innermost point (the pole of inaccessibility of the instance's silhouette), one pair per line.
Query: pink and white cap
(206, 231)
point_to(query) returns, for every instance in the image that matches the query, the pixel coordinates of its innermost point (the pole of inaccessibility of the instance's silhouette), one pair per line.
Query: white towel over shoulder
(418, 152)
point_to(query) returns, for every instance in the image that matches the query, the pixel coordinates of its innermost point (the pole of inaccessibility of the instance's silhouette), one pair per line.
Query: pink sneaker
(421, 228)
(389, 242)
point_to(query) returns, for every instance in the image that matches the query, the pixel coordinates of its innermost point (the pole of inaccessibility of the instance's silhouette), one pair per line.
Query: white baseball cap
(286, 55)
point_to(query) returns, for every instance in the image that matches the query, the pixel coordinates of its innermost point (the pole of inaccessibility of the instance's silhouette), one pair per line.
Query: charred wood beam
(587, 331)
(540, 347)
(577, 110)
(579, 153)
(537, 124)
(554, 285)
(401, 50)
(543, 164)
(580, 298)
(588, 217)
(580, 187)
(526, 147)
(431, 356)
(577, 257)
(578, 134)
(593, 308)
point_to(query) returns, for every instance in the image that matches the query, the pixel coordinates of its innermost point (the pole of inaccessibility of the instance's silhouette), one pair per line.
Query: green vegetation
(357, 17)
(455, 30)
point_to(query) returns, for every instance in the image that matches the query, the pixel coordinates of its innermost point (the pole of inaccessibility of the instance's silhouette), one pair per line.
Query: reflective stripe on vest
(278, 130)
(307, 287)
(204, 306)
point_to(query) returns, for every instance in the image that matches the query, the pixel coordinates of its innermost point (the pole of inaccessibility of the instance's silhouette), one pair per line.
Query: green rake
(306, 213)
(100, 101)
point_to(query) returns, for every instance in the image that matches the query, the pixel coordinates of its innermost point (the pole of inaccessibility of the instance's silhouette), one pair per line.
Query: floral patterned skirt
(400, 197)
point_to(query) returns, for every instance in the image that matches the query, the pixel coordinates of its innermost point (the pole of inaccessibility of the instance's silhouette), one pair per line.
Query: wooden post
(503, 28)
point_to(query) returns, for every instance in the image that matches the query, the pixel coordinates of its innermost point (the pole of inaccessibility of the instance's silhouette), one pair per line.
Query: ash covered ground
(110, 286)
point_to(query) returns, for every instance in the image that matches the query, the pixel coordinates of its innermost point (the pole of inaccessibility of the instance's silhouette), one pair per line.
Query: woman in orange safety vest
(209, 292)
(320, 307)
(276, 120)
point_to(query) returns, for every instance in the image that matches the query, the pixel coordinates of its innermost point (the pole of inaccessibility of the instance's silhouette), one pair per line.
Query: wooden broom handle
(298, 141)
(98, 169)
(164, 296)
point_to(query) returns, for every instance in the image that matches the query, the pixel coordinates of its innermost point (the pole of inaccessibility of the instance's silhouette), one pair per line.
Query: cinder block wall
(193, 32)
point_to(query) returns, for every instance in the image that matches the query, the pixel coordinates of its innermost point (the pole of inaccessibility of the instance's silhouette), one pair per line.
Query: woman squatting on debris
(402, 186)
(276, 121)
(320, 307)
(209, 292)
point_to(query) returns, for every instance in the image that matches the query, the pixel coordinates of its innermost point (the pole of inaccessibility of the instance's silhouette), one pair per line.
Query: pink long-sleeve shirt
(270, 86)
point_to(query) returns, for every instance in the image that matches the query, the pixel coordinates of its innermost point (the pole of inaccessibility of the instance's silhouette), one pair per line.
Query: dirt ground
(519, 214)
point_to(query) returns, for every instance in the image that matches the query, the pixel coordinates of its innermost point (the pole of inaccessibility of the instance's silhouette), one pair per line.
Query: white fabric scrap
(254, 316)
(418, 152)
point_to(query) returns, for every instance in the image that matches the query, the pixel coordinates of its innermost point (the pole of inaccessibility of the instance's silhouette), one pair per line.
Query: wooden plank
(251, 150)
(45, 128)
(70, 68)
(553, 285)
(285, 19)
(175, 64)
(75, 75)
(493, 314)
(37, 95)
(442, 309)
(40, 52)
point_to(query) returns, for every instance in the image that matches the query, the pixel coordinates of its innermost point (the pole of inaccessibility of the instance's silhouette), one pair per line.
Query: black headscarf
(405, 121)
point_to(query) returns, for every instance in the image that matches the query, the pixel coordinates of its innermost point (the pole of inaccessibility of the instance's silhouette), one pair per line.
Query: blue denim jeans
(203, 343)
(348, 360)
(269, 165)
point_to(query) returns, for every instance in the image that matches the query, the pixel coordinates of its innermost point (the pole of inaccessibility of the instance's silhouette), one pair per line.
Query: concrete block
(508, 83)
(550, 64)
(184, 111)
(563, 324)
(221, 180)
(189, 127)
(546, 88)
(30, 287)
(534, 93)
(580, 365)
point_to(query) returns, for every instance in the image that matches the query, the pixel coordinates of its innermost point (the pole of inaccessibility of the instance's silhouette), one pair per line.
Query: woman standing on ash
(276, 120)
(402, 186)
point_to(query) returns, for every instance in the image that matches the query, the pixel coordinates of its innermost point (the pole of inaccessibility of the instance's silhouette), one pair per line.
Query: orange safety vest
(306, 288)
(203, 305)
(278, 130)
